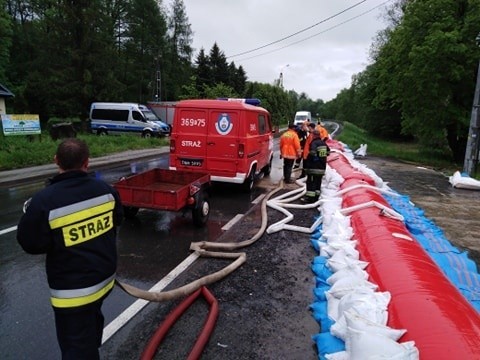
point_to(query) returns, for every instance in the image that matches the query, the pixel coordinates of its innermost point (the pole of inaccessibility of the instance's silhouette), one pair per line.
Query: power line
(298, 32)
(319, 33)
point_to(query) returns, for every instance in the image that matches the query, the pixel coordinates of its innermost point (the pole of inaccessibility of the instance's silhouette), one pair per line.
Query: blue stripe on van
(132, 128)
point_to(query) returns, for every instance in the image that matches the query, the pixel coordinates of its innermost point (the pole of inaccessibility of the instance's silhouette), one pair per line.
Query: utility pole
(158, 81)
(280, 80)
(473, 142)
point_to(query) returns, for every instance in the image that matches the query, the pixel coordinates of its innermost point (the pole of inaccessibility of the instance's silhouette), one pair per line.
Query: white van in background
(126, 118)
(301, 116)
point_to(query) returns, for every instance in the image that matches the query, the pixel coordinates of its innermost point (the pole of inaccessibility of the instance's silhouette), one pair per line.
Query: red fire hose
(170, 320)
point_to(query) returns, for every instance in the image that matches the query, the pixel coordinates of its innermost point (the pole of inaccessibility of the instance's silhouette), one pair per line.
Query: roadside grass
(353, 136)
(22, 151)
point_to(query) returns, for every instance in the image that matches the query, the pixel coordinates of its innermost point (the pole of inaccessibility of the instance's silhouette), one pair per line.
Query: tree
(180, 40)
(427, 70)
(218, 66)
(202, 71)
(144, 42)
(5, 40)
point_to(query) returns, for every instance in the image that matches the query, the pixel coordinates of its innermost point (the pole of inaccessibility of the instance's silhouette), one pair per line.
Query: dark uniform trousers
(80, 330)
(313, 183)
(287, 169)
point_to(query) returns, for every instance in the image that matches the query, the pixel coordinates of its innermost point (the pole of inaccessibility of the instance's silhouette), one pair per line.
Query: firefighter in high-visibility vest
(314, 165)
(73, 221)
(323, 132)
(290, 150)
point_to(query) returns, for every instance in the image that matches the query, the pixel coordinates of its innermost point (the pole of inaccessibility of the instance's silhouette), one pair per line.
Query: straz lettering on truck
(88, 229)
(192, 122)
(224, 124)
(191, 143)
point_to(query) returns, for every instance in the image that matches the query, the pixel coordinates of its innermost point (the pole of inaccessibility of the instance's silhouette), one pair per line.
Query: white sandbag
(337, 232)
(364, 345)
(350, 270)
(359, 323)
(348, 284)
(367, 310)
(464, 181)
(338, 261)
(332, 306)
(361, 151)
(367, 303)
(346, 252)
(332, 246)
(341, 355)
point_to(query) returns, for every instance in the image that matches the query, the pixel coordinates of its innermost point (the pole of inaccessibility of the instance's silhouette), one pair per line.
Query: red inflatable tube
(170, 320)
(343, 168)
(435, 314)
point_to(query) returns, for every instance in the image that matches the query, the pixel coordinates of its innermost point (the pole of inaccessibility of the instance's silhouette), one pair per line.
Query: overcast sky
(322, 61)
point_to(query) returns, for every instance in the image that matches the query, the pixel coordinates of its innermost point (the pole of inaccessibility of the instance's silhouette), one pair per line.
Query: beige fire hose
(200, 249)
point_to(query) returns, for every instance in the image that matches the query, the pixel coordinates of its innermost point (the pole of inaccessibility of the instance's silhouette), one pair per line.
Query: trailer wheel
(102, 132)
(130, 211)
(201, 212)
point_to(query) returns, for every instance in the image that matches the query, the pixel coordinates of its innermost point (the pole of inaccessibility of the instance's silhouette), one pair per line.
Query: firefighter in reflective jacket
(323, 132)
(73, 221)
(290, 150)
(315, 164)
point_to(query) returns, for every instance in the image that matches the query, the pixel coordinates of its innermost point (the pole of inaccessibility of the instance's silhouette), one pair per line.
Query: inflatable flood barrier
(436, 315)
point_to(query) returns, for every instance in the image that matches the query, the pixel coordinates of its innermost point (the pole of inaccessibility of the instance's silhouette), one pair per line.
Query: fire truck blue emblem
(223, 124)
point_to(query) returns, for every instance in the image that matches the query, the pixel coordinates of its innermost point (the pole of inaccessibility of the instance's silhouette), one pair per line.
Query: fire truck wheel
(268, 168)
(247, 186)
(201, 212)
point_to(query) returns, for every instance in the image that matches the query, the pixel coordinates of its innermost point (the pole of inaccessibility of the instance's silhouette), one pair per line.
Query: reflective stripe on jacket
(79, 297)
(316, 160)
(97, 211)
(290, 145)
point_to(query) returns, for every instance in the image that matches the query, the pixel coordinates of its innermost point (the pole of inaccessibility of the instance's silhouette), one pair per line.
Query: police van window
(109, 114)
(136, 115)
(262, 124)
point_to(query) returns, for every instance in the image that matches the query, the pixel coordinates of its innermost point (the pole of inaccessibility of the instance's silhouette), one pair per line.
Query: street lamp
(472, 149)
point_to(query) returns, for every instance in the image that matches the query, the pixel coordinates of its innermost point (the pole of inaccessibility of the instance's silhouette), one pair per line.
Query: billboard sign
(21, 124)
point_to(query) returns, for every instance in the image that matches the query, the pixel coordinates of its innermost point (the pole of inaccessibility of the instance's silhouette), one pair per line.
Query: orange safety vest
(323, 131)
(290, 145)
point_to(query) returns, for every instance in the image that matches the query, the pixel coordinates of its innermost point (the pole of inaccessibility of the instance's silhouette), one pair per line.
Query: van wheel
(130, 211)
(201, 212)
(102, 132)
(267, 169)
(247, 186)
(147, 134)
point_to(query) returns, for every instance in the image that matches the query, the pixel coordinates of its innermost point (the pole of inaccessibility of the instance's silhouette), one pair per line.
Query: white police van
(126, 118)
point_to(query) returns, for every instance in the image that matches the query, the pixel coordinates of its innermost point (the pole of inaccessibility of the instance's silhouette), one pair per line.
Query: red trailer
(164, 189)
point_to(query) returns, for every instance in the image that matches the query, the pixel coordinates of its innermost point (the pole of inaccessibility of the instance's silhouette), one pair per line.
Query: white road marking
(258, 199)
(232, 222)
(138, 305)
(10, 229)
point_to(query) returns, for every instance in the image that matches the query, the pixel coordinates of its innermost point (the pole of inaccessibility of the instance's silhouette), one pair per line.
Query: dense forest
(59, 56)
